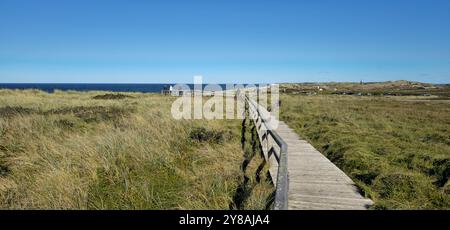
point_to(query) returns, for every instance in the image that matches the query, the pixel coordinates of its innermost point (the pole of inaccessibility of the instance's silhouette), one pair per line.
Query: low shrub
(202, 134)
(110, 96)
(441, 169)
(93, 113)
(11, 111)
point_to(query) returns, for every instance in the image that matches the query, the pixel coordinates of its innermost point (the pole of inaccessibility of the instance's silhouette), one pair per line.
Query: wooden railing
(274, 149)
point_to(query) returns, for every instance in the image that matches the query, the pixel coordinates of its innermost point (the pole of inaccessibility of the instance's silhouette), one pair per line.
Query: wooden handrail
(282, 183)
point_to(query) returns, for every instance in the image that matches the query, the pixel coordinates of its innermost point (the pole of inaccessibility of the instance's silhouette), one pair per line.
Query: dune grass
(91, 150)
(401, 87)
(397, 149)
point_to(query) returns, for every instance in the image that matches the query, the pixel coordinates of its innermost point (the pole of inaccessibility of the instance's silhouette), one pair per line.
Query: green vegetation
(73, 150)
(256, 185)
(97, 150)
(397, 149)
(395, 88)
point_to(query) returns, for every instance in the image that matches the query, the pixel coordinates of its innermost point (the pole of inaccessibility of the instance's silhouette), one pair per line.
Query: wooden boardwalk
(304, 178)
(314, 181)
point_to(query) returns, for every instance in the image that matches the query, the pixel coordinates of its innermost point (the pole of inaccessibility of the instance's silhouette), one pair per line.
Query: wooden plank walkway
(310, 181)
(314, 181)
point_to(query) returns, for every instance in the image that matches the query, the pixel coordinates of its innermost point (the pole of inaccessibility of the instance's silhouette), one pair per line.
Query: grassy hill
(72, 150)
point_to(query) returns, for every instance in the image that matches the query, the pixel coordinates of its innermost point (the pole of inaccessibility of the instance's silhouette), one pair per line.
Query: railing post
(267, 142)
(282, 185)
(281, 194)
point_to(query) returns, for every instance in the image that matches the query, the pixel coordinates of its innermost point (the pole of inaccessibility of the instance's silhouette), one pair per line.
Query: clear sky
(226, 41)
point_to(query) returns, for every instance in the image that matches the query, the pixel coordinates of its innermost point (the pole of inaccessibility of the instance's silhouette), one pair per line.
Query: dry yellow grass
(67, 150)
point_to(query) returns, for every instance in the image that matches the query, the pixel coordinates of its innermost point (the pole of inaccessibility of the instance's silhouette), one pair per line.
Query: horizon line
(211, 83)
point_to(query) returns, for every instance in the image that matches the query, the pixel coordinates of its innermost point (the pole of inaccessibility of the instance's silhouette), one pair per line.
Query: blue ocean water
(51, 87)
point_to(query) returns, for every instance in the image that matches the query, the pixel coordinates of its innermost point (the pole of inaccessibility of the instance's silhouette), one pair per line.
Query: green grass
(401, 87)
(397, 149)
(72, 150)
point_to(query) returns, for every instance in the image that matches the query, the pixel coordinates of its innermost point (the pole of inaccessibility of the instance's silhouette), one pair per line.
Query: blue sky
(225, 41)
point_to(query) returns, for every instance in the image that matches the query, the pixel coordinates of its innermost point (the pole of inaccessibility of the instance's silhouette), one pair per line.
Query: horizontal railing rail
(273, 145)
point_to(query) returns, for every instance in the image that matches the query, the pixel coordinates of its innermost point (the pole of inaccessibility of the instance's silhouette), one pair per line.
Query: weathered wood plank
(314, 181)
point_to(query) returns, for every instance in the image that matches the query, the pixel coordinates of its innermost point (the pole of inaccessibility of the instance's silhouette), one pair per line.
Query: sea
(51, 87)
